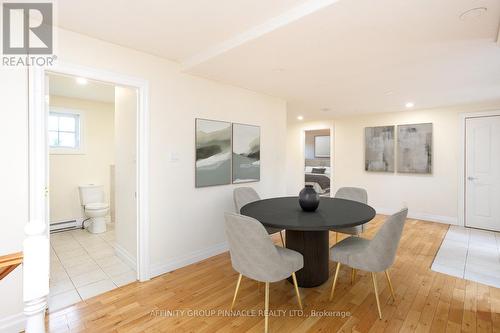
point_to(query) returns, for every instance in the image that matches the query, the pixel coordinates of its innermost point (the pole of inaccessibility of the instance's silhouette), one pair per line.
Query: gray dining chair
(254, 255)
(375, 255)
(355, 194)
(246, 195)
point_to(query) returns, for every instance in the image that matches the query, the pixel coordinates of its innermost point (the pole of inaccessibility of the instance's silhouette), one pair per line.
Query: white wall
(433, 197)
(125, 172)
(14, 194)
(67, 172)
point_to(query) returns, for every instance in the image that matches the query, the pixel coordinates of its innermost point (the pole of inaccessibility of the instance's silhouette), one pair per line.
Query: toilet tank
(91, 194)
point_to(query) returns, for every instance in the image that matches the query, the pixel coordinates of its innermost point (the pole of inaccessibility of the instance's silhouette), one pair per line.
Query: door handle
(472, 178)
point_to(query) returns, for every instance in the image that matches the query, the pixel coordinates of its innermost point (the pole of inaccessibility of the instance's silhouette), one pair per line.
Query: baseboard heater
(63, 226)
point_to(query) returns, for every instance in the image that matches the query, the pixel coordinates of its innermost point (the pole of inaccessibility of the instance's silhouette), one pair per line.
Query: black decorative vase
(308, 199)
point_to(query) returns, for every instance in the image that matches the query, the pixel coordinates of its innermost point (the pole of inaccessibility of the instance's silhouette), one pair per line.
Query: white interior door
(482, 173)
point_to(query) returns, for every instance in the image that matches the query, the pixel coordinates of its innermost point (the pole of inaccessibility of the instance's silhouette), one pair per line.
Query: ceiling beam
(257, 31)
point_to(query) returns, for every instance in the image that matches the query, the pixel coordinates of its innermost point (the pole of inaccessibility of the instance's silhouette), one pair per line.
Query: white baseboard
(14, 323)
(188, 259)
(125, 256)
(420, 216)
(435, 218)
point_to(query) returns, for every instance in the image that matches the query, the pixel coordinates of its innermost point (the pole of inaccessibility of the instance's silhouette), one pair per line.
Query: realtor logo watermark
(27, 34)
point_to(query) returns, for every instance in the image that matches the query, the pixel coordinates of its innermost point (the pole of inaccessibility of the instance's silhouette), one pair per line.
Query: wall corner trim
(188, 259)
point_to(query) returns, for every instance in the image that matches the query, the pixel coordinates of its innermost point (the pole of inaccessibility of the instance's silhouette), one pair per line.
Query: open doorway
(317, 160)
(92, 145)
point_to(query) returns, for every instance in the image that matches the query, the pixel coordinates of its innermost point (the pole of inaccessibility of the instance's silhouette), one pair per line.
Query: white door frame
(36, 243)
(462, 158)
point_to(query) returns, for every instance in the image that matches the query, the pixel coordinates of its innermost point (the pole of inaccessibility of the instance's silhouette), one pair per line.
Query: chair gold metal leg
(390, 285)
(297, 289)
(353, 275)
(282, 241)
(266, 309)
(335, 280)
(236, 291)
(374, 278)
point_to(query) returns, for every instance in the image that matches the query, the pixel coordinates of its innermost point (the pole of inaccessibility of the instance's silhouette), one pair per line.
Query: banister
(9, 262)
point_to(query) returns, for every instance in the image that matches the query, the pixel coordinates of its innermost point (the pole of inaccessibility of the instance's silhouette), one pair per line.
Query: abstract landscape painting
(213, 153)
(246, 153)
(415, 148)
(379, 149)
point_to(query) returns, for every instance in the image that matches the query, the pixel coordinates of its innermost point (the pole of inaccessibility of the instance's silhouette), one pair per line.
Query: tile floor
(471, 254)
(83, 265)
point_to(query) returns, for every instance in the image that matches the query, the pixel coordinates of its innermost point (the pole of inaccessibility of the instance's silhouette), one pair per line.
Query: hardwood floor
(426, 301)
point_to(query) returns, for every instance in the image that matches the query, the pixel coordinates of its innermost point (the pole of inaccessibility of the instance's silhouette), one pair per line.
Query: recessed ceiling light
(409, 105)
(81, 80)
(473, 13)
(390, 92)
(300, 118)
(325, 109)
(279, 70)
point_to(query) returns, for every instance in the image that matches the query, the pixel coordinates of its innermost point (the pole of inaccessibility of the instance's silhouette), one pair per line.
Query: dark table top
(285, 213)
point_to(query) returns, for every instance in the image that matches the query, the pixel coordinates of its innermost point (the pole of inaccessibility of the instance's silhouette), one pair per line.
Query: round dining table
(308, 232)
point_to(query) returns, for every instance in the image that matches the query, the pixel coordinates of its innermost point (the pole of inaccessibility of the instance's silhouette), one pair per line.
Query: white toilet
(94, 207)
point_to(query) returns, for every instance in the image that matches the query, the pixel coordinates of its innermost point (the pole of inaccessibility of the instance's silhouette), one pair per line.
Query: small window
(64, 130)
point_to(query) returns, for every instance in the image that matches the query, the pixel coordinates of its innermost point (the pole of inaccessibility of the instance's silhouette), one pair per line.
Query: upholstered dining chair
(246, 195)
(375, 255)
(355, 194)
(254, 255)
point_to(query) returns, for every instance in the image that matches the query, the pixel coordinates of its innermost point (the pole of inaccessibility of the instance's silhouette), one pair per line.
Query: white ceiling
(174, 29)
(350, 56)
(66, 86)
